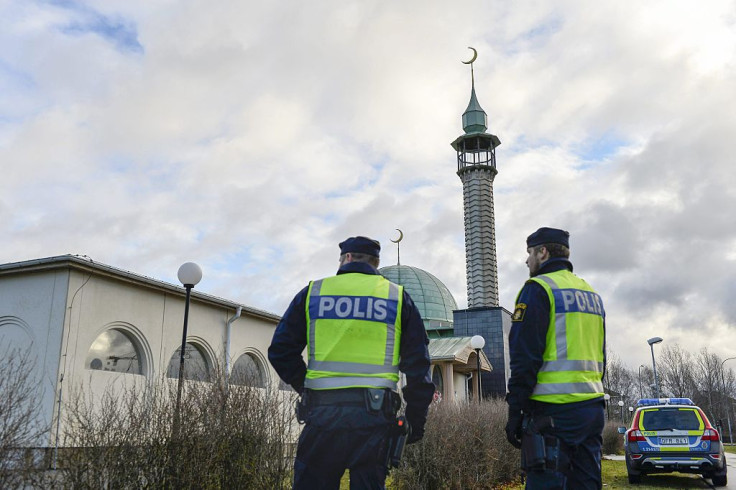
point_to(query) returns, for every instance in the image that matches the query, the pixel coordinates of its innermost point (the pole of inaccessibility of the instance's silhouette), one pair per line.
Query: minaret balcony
(476, 150)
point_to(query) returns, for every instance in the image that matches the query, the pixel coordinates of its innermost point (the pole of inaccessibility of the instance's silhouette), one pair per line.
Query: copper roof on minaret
(475, 119)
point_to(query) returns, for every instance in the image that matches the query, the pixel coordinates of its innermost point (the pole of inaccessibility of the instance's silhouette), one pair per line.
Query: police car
(672, 434)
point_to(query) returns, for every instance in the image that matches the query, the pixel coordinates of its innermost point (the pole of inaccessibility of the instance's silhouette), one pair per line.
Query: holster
(396, 442)
(541, 451)
(389, 402)
(382, 400)
(302, 407)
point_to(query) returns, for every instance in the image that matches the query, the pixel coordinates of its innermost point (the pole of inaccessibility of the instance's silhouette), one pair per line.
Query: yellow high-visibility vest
(573, 361)
(353, 332)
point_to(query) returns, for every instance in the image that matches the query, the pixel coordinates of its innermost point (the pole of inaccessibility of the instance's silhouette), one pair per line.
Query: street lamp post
(477, 342)
(651, 342)
(189, 275)
(641, 392)
(728, 403)
(621, 407)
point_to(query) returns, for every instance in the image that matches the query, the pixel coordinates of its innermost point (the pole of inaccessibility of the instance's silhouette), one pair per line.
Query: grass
(614, 476)
(345, 481)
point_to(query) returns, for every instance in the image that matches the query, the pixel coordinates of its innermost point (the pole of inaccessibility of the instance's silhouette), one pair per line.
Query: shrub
(20, 421)
(227, 437)
(464, 447)
(613, 442)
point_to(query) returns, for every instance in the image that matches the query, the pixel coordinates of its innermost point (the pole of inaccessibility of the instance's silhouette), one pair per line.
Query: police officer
(360, 330)
(557, 357)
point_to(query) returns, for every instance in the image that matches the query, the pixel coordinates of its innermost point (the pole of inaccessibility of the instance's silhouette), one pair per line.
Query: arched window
(196, 366)
(247, 371)
(114, 350)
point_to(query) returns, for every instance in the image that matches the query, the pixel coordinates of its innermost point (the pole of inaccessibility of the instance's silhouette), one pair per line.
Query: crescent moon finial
(475, 56)
(398, 246)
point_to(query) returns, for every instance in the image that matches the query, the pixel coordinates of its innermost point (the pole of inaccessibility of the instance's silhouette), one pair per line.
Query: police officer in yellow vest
(359, 331)
(557, 357)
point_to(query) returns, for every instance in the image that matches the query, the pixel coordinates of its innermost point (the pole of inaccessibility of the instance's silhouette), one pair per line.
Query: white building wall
(253, 336)
(61, 312)
(32, 309)
(461, 386)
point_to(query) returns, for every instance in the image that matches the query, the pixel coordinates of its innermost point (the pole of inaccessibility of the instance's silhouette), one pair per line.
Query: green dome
(434, 300)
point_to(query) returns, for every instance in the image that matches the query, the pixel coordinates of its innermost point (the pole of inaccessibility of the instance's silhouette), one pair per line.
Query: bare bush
(228, 437)
(613, 442)
(619, 379)
(464, 447)
(20, 423)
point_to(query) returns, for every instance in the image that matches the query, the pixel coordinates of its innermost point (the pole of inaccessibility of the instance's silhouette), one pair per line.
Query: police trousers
(579, 429)
(342, 436)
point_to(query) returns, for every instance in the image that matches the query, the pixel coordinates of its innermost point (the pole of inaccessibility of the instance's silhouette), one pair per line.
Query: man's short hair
(555, 250)
(358, 257)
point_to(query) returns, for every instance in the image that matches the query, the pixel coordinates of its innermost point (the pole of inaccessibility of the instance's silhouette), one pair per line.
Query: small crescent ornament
(401, 236)
(475, 56)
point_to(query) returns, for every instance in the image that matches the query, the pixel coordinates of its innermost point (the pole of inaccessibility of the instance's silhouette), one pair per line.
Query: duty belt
(375, 398)
(345, 396)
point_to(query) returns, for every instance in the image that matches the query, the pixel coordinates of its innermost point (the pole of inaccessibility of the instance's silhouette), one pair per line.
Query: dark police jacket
(290, 339)
(527, 342)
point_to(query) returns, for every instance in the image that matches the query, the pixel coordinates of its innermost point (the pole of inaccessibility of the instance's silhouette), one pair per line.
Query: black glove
(513, 427)
(298, 383)
(415, 433)
(416, 419)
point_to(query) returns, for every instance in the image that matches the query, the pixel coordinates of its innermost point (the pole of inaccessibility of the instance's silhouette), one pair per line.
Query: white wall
(32, 308)
(156, 319)
(61, 312)
(461, 386)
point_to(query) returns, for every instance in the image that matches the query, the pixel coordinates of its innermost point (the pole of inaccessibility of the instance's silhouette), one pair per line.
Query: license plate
(673, 440)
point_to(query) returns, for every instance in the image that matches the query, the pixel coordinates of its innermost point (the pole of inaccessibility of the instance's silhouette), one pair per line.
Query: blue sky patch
(122, 33)
(599, 148)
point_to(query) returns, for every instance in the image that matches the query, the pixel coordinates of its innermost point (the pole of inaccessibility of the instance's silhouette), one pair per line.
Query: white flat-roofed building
(93, 326)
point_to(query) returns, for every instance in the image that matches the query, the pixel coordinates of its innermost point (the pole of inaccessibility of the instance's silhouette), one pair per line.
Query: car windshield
(670, 418)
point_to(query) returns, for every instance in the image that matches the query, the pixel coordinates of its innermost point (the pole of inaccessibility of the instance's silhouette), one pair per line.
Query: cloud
(252, 138)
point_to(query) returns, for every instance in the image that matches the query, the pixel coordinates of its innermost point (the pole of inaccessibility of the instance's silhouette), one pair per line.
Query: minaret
(476, 167)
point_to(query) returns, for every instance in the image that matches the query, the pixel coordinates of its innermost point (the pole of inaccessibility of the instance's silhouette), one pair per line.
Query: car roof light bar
(650, 402)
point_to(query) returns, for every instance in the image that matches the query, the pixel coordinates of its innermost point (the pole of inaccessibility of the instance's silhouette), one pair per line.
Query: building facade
(92, 326)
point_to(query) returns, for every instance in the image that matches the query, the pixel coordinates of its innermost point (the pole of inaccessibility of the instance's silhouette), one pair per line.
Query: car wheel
(637, 478)
(720, 480)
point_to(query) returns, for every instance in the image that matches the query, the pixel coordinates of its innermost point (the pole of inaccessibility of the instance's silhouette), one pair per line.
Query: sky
(253, 137)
